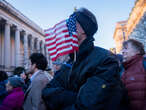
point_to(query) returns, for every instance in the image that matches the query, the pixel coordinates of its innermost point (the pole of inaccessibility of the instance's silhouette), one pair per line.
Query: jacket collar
(132, 61)
(16, 89)
(84, 49)
(35, 74)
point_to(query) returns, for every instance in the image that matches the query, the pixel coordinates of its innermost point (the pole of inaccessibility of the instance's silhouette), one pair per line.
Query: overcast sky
(47, 13)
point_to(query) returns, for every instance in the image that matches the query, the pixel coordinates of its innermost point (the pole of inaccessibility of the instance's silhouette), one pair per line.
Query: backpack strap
(144, 62)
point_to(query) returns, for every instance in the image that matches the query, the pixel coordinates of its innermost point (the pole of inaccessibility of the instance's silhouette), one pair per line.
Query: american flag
(62, 38)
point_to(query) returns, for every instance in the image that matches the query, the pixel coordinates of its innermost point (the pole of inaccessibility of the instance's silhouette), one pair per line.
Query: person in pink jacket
(15, 98)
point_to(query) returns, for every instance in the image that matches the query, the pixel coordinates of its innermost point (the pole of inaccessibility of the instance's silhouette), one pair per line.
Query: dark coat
(3, 92)
(144, 62)
(134, 79)
(93, 83)
(14, 100)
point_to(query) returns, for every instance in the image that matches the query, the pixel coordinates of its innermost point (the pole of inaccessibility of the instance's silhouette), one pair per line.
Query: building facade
(134, 27)
(19, 37)
(120, 35)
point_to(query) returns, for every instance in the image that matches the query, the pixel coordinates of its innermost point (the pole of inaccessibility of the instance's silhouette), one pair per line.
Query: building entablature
(15, 14)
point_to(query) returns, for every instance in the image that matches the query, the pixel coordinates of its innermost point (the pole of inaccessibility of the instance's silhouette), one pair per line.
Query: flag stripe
(57, 35)
(65, 35)
(60, 39)
(54, 48)
(56, 31)
(57, 25)
(61, 54)
(62, 49)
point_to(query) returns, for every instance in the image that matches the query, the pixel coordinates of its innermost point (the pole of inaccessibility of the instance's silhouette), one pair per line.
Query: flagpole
(75, 56)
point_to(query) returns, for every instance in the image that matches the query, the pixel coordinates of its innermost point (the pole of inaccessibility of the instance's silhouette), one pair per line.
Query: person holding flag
(93, 82)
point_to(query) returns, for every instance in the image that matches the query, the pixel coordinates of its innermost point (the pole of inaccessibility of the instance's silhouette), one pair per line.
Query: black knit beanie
(87, 21)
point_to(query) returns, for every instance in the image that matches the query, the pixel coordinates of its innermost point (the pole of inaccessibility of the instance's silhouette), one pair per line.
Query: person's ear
(34, 65)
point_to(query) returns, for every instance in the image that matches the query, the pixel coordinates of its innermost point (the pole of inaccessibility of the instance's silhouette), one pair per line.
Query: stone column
(7, 45)
(25, 48)
(32, 45)
(43, 51)
(47, 54)
(17, 47)
(38, 45)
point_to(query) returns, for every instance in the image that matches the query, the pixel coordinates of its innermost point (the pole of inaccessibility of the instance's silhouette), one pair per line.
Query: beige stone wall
(136, 14)
(134, 26)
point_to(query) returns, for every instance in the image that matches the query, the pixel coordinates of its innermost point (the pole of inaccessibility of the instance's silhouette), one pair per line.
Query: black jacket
(93, 82)
(3, 92)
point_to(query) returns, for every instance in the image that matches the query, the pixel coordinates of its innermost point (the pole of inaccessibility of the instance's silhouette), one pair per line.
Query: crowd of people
(92, 79)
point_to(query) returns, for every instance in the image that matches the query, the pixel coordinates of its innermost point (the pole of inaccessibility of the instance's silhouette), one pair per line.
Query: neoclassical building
(19, 37)
(134, 27)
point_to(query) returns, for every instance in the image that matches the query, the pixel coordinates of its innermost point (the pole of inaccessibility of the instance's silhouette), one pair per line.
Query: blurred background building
(19, 37)
(134, 27)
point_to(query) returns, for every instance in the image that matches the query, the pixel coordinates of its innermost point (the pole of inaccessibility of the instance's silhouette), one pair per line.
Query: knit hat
(87, 20)
(16, 82)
